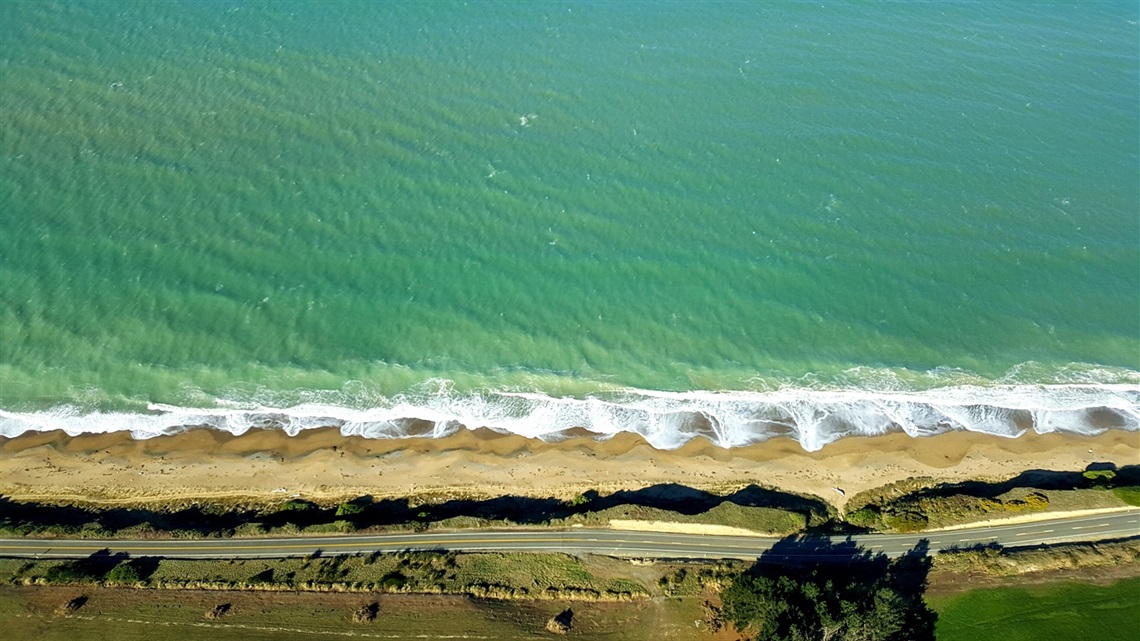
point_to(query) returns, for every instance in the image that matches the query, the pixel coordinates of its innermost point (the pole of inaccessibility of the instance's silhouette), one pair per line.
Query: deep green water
(368, 204)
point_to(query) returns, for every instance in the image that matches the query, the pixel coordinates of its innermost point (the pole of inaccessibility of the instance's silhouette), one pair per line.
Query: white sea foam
(666, 420)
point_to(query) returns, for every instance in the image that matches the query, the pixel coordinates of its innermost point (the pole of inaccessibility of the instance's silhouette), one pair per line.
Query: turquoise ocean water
(735, 220)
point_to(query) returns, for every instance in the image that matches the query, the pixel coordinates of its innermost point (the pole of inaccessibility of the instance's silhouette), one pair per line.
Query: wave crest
(666, 420)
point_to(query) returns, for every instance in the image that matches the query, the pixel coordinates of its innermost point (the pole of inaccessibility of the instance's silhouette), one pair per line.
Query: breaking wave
(666, 420)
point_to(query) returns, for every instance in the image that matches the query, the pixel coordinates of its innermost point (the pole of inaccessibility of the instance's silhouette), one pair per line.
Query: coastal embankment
(265, 466)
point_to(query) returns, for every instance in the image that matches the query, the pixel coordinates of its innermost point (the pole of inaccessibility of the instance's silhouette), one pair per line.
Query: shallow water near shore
(691, 220)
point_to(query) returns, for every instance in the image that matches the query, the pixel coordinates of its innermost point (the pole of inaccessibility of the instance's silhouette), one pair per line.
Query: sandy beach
(323, 465)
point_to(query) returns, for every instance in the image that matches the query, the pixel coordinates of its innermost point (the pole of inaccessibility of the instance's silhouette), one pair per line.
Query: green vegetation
(794, 596)
(144, 615)
(502, 576)
(908, 506)
(350, 509)
(1129, 494)
(997, 561)
(517, 595)
(694, 579)
(1057, 611)
(920, 504)
(756, 519)
(753, 507)
(297, 505)
(579, 500)
(917, 512)
(125, 573)
(506, 576)
(1100, 478)
(93, 569)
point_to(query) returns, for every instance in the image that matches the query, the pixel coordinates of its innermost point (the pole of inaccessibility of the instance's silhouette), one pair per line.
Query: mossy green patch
(1129, 494)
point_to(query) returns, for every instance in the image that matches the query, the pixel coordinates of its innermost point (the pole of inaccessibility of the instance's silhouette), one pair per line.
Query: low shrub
(393, 581)
(125, 573)
(906, 521)
(349, 508)
(69, 607)
(561, 623)
(1099, 478)
(868, 517)
(366, 613)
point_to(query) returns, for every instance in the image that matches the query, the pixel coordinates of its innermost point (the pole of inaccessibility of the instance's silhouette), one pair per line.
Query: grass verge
(500, 576)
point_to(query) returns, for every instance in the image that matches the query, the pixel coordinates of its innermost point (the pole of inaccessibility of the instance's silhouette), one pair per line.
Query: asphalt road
(607, 542)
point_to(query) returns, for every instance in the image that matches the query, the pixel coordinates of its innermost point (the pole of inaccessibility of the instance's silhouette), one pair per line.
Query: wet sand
(323, 465)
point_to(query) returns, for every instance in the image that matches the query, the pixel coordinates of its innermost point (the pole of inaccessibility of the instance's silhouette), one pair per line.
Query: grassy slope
(757, 519)
(498, 575)
(752, 508)
(1057, 610)
(144, 615)
(914, 497)
(912, 505)
(1054, 611)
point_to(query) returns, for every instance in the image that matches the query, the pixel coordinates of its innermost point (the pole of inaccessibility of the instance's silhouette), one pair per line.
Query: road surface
(593, 541)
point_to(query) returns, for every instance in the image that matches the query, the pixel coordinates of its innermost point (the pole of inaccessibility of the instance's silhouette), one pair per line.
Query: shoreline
(266, 466)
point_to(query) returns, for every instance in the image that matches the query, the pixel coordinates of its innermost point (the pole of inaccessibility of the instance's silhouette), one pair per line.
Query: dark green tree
(91, 569)
(807, 590)
(350, 509)
(125, 573)
(1099, 478)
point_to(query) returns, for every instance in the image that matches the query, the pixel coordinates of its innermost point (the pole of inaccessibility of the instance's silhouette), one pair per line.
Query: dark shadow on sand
(1033, 479)
(522, 510)
(366, 512)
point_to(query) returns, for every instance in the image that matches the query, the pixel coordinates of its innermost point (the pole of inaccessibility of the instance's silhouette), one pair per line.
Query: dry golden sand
(266, 465)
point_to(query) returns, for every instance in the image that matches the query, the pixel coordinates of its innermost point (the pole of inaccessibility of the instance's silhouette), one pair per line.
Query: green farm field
(1067, 610)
